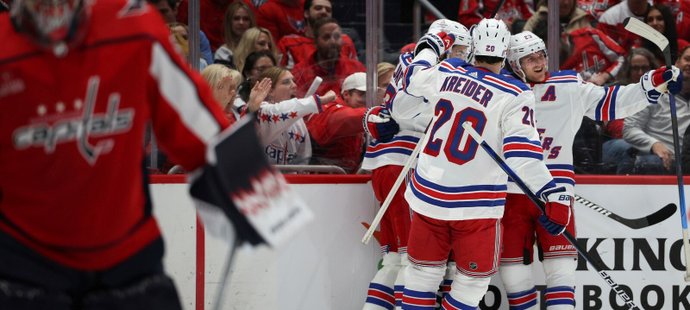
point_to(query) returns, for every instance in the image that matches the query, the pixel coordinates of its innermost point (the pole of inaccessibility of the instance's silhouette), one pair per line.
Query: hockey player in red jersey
(387, 154)
(562, 100)
(456, 207)
(80, 82)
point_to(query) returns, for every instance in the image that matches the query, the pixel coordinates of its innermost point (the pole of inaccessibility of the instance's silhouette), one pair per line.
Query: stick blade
(639, 28)
(661, 215)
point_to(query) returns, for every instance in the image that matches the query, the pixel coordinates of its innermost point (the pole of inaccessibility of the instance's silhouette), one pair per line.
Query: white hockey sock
(465, 293)
(421, 284)
(560, 283)
(447, 280)
(518, 283)
(380, 294)
(400, 280)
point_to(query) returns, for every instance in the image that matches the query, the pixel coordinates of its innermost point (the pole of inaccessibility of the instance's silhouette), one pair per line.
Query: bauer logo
(76, 121)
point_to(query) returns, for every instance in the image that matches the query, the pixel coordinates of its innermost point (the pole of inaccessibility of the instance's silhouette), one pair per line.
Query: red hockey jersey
(281, 19)
(593, 51)
(338, 135)
(73, 185)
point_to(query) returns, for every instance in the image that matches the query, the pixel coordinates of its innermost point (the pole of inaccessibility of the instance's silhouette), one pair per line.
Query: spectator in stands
(280, 123)
(281, 17)
(295, 48)
(593, 54)
(211, 13)
(611, 22)
(639, 61)
(571, 17)
(238, 18)
(223, 82)
(385, 71)
(168, 9)
(596, 7)
(337, 134)
(253, 40)
(661, 19)
(326, 61)
(472, 11)
(649, 131)
(180, 33)
(255, 64)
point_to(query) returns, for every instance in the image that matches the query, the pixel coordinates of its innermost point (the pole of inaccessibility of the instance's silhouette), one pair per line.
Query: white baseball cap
(356, 81)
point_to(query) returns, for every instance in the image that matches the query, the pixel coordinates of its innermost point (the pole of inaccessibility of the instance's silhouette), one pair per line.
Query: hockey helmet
(48, 22)
(490, 37)
(521, 45)
(462, 35)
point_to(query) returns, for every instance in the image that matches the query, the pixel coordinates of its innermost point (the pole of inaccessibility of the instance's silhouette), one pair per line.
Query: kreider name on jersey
(469, 88)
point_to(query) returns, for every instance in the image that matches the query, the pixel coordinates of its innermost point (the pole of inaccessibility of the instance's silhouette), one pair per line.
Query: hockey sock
(466, 292)
(560, 283)
(400, 280)
(518, 283)
(380, 294)
(421, 284)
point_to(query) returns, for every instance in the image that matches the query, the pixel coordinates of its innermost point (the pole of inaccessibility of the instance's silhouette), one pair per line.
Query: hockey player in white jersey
(457, 192)
(386, 156)
(562, 100)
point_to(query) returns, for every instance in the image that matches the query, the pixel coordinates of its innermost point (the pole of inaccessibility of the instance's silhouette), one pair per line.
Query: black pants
(30, 281)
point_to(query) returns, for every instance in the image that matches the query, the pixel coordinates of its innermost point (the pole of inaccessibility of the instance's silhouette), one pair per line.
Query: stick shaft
(394, 189)
(598, 266)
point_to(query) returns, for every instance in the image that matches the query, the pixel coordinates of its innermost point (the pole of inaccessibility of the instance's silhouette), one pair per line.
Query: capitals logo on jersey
(47, 131)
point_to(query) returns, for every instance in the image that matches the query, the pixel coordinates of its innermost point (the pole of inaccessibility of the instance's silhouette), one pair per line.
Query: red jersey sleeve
(184, 114)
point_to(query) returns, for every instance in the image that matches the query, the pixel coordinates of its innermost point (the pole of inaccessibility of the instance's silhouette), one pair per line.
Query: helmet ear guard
(523, 44)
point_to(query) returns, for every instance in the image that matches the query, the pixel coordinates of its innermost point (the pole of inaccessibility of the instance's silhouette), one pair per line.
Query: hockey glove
(379, 124)
(660, 81)
(556, 211)
(438, 42)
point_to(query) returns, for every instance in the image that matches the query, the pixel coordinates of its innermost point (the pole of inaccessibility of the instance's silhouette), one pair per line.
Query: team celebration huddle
(468, 137)
(494, 174)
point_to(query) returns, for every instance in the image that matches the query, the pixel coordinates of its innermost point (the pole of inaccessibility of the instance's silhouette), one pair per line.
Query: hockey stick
(649, 220)
(583, 252)
(394, 189)
(639, 28)
(498, 8)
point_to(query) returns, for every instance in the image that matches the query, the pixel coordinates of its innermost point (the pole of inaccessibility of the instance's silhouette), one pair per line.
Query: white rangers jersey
(412, 115)
(454, 179)
(283, 132)
(562, 100)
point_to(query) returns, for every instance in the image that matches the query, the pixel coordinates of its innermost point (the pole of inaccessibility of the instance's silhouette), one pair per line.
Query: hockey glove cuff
(379, 124)
(438, 42)
(557, 210)
(661, 80)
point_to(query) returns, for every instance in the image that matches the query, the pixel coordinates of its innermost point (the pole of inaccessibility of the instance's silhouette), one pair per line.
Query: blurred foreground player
(80, 82)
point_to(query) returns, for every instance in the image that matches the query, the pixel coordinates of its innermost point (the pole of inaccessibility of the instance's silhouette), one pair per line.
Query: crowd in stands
(288, 43)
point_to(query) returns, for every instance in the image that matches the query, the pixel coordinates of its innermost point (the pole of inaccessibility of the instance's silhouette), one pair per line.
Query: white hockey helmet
(521, 45)
(490, 37)
(462, 35)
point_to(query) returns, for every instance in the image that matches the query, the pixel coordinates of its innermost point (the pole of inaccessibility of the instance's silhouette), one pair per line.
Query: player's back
(454, 179)
(72, 134)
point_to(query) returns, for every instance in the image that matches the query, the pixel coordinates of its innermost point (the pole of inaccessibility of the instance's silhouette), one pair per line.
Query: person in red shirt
(326, 61)
(337, 133)
(76, 223)
(295, 48)
(211, 14)
(281, 17)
